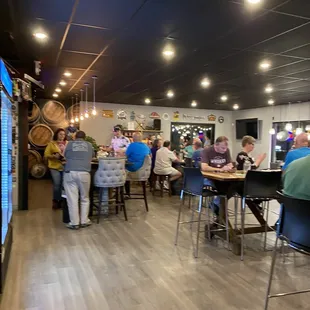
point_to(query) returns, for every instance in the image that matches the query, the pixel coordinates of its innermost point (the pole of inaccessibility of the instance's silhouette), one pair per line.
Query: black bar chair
(193, 186)
(262, 185)
(293, 228)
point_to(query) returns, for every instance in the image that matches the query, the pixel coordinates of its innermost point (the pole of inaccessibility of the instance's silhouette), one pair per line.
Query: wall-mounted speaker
(157, 124)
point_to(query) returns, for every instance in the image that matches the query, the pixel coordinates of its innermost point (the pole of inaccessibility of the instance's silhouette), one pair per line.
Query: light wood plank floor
(135, 265)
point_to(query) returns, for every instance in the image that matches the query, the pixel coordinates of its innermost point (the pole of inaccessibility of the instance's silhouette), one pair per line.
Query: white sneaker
(166, 185)
(88, 223)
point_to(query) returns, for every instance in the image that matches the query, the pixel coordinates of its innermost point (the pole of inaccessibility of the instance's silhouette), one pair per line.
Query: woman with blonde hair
(54, 154)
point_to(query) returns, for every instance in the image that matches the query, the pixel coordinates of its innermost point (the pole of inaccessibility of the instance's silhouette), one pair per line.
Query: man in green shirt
(297, 179)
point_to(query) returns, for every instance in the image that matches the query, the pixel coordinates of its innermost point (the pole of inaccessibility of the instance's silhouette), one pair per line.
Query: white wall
(101, 128)
(281, 113)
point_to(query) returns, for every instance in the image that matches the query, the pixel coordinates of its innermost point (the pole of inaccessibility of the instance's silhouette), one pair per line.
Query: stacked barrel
(42, 125)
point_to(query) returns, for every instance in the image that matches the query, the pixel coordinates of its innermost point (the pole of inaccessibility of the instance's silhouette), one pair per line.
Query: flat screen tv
(247, 127)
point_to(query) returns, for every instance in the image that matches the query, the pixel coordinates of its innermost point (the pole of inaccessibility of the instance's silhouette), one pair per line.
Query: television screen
(247, 127)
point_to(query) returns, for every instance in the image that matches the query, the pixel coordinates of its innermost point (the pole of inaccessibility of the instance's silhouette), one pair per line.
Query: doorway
(181, 131)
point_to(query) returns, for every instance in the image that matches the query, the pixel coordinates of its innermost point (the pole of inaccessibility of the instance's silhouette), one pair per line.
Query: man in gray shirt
(78, 154)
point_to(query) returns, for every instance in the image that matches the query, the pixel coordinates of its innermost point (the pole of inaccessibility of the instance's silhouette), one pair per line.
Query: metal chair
(293, 228)
(263, 185)
(111, 173)
(141, 175)
(193, 186)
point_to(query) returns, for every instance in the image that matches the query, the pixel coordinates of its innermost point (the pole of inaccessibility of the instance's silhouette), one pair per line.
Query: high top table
(229, 183)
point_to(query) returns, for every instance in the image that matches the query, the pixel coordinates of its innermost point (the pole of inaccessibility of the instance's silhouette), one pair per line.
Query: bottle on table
(247, 166)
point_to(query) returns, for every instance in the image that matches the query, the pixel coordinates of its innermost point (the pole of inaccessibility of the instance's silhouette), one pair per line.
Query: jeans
(216, 200)
(77, 184)
(57, 177)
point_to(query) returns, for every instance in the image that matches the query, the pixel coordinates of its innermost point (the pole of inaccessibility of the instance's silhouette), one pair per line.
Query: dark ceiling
(121, 42)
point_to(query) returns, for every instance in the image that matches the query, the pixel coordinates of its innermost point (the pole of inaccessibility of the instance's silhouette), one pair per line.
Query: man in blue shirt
(136, 153)
(301, 150)
(196, 158)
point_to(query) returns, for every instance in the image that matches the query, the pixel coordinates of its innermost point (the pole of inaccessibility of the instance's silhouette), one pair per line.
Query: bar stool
(161, 178)
(111, 173)
(194, 187)
(262, 185)
(142, 175)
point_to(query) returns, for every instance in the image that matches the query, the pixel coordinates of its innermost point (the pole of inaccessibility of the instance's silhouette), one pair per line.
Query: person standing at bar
(78, 154)
(54, 155)
(119, 142)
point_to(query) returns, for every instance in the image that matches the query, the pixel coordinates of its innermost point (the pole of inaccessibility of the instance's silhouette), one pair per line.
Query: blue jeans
(57, 177)
(208, 182)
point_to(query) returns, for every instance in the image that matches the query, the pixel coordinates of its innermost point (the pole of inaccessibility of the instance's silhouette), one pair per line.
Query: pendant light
(72, 116)
(81, 105)
(288, 126)
(86, 100)
(272, 131)
(94, 111)
(299, 130)
(76, 103)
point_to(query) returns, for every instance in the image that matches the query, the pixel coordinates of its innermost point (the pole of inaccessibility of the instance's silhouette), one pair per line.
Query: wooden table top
(224, 176)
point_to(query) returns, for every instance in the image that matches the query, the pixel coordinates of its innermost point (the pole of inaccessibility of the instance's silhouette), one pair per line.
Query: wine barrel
(53, 112)
(35, 115)
(34, 158)
(38, 171)
(40, 135)
(73, 111)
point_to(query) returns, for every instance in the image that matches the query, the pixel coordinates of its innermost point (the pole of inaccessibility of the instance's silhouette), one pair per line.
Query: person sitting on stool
(163, 164)
(78, 156)
(136, 153)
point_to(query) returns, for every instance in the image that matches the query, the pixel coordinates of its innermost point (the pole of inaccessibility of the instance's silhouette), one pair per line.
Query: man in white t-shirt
(163, 164)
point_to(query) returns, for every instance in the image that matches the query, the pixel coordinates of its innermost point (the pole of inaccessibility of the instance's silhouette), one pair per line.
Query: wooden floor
(135, 265)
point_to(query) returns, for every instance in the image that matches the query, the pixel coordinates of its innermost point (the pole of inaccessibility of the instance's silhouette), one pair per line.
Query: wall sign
(108, 113)
(154, 115)
(193, 117)
(121, 114)
(221, 119)
(165, 117)
(211, 118)
(176, 116)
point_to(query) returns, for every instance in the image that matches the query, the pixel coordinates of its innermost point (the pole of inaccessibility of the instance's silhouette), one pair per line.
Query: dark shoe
(74, 227)
(55, 205)
(88, 223)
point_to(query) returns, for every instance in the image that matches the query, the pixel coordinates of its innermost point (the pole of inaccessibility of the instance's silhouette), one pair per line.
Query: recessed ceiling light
(62, 83)
(67, 74)
(170, 94)
(147, 100)
(271, 101)
(224, 98)
(40, 35)
(168, 52)
(194, 104)
(58, 90)
(205, 82)
(236, 106)
(55, 95)
(254, 1)
(265, 65)
(268, 89)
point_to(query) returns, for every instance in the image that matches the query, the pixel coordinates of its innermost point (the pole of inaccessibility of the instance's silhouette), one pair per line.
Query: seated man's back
(297, 179)
(301, 150)
(136, 153)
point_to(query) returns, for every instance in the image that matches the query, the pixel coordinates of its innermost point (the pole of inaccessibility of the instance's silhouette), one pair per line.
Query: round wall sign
(221, 119)
(165, 116)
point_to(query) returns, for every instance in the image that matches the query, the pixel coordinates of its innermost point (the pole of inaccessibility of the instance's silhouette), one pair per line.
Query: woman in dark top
(157, 144)
(248, 143)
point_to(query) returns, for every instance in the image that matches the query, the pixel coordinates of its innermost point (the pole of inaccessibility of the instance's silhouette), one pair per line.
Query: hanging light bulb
(72, 120)
(272, 131)
(86, 100)
(81, 105)
(288, 127)
(299, 131)
(76, 119)
(72, 116)
(94, 112)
